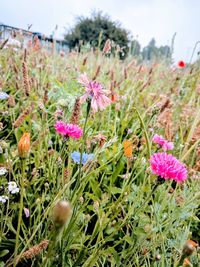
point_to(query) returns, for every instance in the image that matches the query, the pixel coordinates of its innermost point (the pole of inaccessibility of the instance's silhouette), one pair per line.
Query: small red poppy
(181, 64)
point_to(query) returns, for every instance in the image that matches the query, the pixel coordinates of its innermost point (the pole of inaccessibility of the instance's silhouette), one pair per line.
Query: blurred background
(155, 23)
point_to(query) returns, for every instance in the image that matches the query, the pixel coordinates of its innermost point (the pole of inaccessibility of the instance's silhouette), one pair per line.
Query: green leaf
(4, 252)
(115, 190)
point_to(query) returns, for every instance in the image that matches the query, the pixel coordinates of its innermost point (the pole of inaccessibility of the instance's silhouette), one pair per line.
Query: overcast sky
(143, 18)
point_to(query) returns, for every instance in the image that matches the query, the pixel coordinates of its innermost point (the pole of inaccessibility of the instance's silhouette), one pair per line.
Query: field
(87, 194)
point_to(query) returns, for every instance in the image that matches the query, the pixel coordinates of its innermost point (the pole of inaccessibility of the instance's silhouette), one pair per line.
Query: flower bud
(187, 263)
(128, 148)
(24, 145)
(61, 213)
(189, 247)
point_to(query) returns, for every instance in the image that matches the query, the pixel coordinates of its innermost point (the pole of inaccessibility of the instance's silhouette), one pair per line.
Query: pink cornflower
(68, 129)
(168, 167)
(160, 140)
(95, 92)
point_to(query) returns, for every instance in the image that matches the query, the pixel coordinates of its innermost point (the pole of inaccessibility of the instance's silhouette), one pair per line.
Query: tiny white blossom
(3, 199)
(3, 171)
(12, 188)
(143, 160)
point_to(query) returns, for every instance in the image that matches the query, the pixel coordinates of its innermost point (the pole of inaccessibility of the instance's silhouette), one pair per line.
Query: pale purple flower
(167, 166)
(3, 95)
(95, 92)
(3, 199)
(26, 212)
(160, 140)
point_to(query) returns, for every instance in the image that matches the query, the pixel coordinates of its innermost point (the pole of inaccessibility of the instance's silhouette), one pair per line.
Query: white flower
(3, 171)
(12, 188)
(3, 199)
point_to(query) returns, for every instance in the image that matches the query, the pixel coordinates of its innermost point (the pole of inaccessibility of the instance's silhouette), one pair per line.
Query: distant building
(10, 33)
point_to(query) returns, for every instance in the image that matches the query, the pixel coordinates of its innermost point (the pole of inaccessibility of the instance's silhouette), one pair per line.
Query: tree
(135, 48)
(95, 30)
(151, 51)
(165, 51)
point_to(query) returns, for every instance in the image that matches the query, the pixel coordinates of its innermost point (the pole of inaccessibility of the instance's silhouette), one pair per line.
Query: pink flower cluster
(160, 140)
(95, 92)
(68, 129)
(168, 167)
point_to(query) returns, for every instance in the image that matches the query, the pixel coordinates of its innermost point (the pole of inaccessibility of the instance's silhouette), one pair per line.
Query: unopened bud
(158, 257)
(189, 247)
(24, 145)
(96, 205)
(81, 199)
(61, 213)
(187, 263)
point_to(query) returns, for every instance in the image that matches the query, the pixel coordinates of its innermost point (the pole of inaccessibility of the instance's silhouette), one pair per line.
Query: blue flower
(76, 156)
(3, 96)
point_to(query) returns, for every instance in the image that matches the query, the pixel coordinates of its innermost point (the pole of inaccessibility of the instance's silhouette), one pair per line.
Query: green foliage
(151, 51)
(135, 48)
(95, 30)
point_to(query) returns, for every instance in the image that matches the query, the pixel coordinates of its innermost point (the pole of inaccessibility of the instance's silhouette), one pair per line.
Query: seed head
(61, 213)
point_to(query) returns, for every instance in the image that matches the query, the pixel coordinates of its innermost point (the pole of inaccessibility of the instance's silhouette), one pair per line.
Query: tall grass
(116, 221)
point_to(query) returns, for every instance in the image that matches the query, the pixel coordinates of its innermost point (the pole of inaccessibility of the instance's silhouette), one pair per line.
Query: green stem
(145, 133)
(23, 161)
(82, 146)
(53, 240)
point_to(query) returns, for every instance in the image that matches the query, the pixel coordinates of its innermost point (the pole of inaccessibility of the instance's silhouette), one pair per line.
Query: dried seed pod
(34, 251)
(84, 61)
(107, 47)
(97, 72)
(76, 112)
(25, 78)
(22, 116)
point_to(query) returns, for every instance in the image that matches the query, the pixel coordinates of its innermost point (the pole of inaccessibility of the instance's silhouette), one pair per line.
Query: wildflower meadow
(99, 159)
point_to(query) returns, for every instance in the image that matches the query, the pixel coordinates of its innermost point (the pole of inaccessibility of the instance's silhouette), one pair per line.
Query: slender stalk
(56, 233)
(195, 46)
(83, 143)
(145, 133)
(23, 161)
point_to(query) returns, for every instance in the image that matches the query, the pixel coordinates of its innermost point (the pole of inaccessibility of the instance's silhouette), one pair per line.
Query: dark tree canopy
(95, 30)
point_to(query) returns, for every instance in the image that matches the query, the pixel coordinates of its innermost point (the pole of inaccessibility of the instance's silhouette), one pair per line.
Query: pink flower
(168, 167)
(95, 92)
(160, 140)
(68, 129)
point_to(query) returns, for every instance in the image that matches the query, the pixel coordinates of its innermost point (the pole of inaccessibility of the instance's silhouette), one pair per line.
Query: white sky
(143, 18)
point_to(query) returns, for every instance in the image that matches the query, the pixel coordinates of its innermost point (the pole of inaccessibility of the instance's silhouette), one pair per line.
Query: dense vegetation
(118, 215)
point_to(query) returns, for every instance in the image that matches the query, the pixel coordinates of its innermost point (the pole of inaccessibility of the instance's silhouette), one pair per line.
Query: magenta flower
(168, 167)
(68, 129)
(160, 140)
(95, 92)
